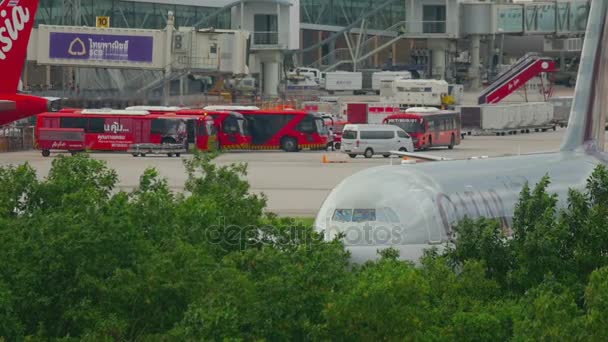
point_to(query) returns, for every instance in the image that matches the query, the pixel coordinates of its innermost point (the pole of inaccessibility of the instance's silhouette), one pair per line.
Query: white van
(369, 140)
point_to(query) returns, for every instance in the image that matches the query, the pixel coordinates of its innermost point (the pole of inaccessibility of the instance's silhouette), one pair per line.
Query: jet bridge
(187, 50)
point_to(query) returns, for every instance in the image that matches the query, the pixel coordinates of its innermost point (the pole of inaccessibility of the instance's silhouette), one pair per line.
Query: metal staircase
(527, 67)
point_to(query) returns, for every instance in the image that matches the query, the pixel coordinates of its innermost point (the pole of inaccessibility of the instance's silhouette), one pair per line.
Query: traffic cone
(324, 160)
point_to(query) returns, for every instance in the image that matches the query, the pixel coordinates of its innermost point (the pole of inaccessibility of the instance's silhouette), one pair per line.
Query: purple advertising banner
(100, 47)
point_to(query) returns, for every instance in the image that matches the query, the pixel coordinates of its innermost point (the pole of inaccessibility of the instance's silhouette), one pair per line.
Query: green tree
(384, 301)
(596, 299)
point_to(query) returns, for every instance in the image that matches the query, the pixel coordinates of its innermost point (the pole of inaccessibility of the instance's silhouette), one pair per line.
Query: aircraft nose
(377, 211)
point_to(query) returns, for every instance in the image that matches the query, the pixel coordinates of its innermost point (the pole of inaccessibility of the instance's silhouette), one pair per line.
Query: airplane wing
(6, 105)
(420, 156)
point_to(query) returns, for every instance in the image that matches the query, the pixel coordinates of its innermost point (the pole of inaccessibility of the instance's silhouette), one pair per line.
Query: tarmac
(295, 183)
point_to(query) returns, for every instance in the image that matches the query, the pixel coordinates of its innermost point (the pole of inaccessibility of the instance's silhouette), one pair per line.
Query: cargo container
(370, 112)
(416, 92)
(342, 81)
(380, 76)
(507, 118)
(561, 109)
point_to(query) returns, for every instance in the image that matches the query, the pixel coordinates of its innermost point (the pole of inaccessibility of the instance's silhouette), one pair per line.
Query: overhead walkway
(526, 68)
(359, 23)
(358, 52)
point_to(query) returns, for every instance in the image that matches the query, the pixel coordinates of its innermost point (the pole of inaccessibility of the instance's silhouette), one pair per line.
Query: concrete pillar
(439, 48)
(48, 75)
(242, 25)
(394, 53)
(475, 62)
(439, 64)
(271, 78)
(182, 83)
(168, 57)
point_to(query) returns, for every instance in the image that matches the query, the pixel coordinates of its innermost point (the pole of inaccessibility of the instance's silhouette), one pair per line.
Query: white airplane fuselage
(427, 200)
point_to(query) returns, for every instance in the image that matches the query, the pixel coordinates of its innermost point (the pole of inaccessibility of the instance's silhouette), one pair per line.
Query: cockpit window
(342, 215)
(364, 215)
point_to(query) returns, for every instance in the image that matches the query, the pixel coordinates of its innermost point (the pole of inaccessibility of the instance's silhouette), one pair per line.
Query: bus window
(158, 126)
(96, 125)
(231, 125)
(73, 123)
(243, 126)
(307, 125)
(320, 125)
(408, 125)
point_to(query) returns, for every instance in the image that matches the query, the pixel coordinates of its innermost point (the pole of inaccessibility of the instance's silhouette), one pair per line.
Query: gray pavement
(295, 183)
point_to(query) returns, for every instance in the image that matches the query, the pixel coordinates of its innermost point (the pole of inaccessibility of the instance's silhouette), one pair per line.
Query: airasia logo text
(58, 144)
(10, 26)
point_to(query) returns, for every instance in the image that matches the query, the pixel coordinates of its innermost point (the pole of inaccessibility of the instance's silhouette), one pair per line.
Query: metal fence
(16, 138)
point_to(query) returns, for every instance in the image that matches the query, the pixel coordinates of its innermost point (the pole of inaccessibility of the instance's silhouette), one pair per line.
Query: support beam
(475, 62)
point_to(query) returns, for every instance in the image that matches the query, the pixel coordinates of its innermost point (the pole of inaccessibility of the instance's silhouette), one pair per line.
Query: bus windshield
(408, 125)
(243, 126)
(321, 128)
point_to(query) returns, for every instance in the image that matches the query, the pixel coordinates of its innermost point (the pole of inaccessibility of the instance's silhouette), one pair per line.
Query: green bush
(80, 260)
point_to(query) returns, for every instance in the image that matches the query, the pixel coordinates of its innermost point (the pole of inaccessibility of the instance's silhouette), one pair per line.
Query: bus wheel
(178, 154)
(170, 155)
(452, 142)
(46, 153)
(352, 155)
(369, 153)
(337, 146)
(289, 144)
(135, 154)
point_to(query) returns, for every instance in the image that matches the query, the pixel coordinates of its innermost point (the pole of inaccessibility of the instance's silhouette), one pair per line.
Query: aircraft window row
(365, 215)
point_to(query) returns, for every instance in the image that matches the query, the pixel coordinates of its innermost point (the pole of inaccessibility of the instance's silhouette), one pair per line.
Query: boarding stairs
(526, 68)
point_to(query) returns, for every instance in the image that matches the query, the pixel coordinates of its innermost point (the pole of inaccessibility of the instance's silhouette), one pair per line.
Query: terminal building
(458, 40)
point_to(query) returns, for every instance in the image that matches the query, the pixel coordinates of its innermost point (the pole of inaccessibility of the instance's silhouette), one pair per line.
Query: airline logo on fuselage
(13, 19)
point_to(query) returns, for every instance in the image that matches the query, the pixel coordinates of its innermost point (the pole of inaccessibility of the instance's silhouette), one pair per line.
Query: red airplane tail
(16, 23)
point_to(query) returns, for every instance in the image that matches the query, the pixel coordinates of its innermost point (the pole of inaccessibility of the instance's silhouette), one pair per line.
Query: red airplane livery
(16, 22)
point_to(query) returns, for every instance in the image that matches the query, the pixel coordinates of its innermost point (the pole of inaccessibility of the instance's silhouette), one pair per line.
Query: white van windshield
(348, 134)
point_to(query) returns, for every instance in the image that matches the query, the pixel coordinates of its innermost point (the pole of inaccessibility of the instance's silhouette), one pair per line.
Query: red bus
(429, 127)
(232, 127)
(117, 130)
(289, 130)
